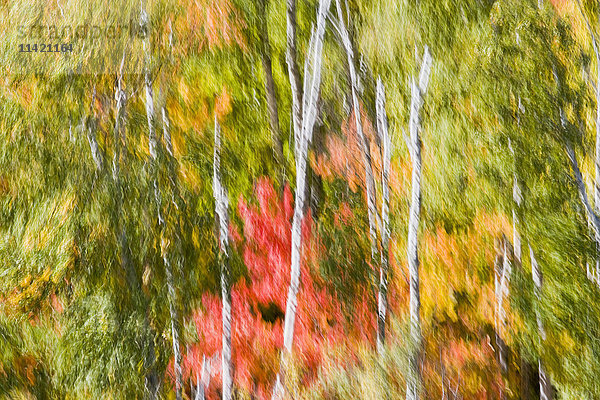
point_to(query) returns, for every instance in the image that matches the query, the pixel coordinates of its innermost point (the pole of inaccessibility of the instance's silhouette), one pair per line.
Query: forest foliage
(115, 274)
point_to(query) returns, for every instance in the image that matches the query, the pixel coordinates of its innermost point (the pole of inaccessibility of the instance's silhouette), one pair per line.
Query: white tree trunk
(503, 274)
(199, 389)
(312, 85)
(366, 152)
(374, 220)
(546, 392)
(516, 235)
(221, 213)
(151, 380)
(94, 147)
(517, 197)
(120, 98)
(171, 289)
(382, 129)
(597, 155)
(174, 325)
(119, 139)
(167, 132)
(90, 129)
(203, 379)
(591, 215)
(418, 90)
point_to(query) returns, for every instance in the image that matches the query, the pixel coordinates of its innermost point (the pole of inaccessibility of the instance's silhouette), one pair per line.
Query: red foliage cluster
(258, 303)
(213, 24)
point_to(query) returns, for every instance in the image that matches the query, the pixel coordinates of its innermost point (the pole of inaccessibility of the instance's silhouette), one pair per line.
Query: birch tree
(418, 90)
(152, 382)
(365, 147)
(503, 289)
(165, 244)
(596, 192)
(90, 129)
(546, 392)
(272, 108)
(203, 379)
(293, 70)
(503, 273)
(544, 380)
(375, 220)
(303, 131)
(382, 129)
(579, 183)
(517, 199)
(221, 205)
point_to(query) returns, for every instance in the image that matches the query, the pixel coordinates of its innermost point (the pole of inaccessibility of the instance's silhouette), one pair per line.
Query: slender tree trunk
(527, 378)
(597, 155)
(525, 372)
(546, 392)
(203, 379)
(312, 85)
(152, 382)
(369, 179)
(516, 234)
(517, 198)
(120, 97)
(418, 90)
(503, 274)
(174, 325)
(94, 147)
(365, 147)
(270, 87)
(382, 128)
(293, 71)
(171, 289)
(498, 268)
(176, 199)
(199, 389)
(221, 205)
(291, 303)
(591, 215)
(172, 274)
(90, 129)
